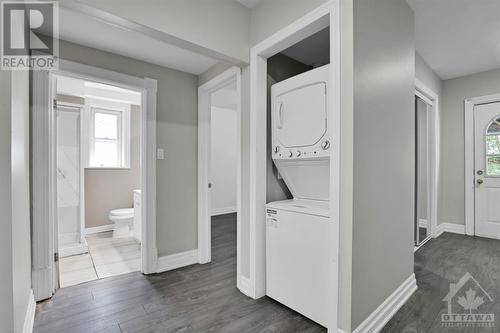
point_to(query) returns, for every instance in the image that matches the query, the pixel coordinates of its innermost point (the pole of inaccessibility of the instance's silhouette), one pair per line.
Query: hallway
(198, 298)
(439, 263)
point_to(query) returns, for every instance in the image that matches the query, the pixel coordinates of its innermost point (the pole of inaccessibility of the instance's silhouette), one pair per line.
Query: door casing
(469, 137)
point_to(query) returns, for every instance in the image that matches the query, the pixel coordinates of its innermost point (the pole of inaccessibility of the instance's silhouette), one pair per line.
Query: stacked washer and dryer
(297, 230)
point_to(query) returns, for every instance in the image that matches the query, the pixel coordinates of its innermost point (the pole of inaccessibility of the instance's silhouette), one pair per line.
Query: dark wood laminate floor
(198, 298)
(438, 263)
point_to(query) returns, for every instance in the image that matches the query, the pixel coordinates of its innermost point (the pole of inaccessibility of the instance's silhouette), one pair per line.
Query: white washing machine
(298, 230)
(297, 234)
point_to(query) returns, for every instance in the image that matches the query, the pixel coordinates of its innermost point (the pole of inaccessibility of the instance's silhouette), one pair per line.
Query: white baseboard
(223, 210)
(450, 227)
(378, 318)
(29, 318)
(167, 263)
(422, 223)
(73, 250)
(101, 228)
(244, 286)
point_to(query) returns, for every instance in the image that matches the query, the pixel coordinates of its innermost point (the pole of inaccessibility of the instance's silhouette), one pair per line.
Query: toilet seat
(122, 212)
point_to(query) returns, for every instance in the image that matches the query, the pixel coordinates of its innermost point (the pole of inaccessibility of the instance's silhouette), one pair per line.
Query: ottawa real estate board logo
(29, 35)
(465, 300)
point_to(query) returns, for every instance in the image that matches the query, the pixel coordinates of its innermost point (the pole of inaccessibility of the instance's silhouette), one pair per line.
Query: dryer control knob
(298, 153)
(276, 149)
(325, 144)
(290, 154)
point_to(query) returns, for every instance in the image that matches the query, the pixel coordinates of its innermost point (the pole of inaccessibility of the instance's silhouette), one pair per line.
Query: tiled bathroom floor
(107, 257)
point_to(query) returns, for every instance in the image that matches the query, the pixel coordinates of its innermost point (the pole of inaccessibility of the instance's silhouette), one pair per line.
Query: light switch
(160, 153)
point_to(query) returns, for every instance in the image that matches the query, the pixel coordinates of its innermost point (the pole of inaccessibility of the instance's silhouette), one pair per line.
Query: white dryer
(298, 230)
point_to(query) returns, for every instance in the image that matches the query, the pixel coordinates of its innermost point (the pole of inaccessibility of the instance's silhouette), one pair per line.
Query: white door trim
(232, 74)
(44, 212)
(434, 134)
(321, 17)
(469, 105)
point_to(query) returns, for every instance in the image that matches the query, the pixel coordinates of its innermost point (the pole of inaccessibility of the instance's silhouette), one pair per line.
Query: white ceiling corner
(458, 37)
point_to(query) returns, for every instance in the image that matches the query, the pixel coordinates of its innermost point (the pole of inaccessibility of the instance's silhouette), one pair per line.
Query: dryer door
(300, 115)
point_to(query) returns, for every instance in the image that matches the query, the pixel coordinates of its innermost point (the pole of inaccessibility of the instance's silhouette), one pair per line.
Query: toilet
(122, 222)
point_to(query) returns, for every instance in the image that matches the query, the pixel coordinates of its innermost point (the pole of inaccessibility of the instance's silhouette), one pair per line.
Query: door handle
(480, 181)
(280, 115)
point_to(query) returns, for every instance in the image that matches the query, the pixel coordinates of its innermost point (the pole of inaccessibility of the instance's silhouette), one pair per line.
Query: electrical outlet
(160, 153)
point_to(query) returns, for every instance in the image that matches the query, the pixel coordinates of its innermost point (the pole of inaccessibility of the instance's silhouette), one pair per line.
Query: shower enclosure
(71, 239)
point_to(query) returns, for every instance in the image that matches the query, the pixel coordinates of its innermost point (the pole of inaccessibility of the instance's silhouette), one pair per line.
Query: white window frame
(93, 106)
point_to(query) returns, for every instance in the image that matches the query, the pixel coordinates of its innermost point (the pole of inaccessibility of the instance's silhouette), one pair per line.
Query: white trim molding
(231, 75)
(243, 285)
(325, 15)
(450, 227)
(469, 105)
(29, 318)
(433, 121)
(98, 229)
(224, 210)
(178, 260)
(385, 311)
(73, 249)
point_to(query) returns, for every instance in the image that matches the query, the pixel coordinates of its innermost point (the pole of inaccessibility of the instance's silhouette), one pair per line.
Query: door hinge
(56, 257)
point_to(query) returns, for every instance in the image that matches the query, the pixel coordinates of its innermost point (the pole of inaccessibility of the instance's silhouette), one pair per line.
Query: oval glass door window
(492, 140)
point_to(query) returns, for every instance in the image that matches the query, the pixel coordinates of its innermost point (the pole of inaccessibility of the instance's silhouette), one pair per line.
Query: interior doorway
(427, 137)
(98, 162)
(422, 166)
(219, 158)
(104, 134)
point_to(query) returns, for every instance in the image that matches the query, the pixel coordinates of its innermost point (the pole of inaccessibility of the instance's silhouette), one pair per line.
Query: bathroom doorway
(98, 153)
(105, 107)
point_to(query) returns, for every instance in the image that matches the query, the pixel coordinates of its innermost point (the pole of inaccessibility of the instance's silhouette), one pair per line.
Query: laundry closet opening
(298, 176)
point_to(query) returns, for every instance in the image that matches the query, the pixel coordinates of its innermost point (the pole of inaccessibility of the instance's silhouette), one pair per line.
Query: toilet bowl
(122, 222)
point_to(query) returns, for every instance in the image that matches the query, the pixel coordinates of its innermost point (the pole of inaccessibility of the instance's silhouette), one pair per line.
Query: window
(109, 135)
(493, 148)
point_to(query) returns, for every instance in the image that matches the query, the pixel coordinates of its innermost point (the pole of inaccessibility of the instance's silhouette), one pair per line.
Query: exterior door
(487, 170)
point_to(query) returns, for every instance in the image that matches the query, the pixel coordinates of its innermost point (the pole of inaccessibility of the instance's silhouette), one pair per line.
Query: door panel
(300, 116)
(487, 170)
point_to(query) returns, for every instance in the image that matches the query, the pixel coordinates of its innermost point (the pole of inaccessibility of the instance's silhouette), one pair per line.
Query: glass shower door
(68, 178)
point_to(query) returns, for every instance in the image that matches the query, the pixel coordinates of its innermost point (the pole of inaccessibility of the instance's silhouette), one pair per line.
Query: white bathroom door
(487, 170)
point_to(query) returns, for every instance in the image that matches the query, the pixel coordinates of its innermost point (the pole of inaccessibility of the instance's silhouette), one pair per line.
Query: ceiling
(458, 37)
(88, 31)
(313, 50)
(249, 3)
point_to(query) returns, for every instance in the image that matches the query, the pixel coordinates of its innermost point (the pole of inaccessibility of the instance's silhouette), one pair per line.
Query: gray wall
(6, 297)
(107, 189)
(272, 15)
(384, 145)
(177, 119)
(427, 76)
(213, 71)
(452, 194)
